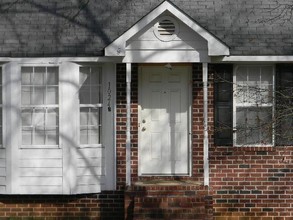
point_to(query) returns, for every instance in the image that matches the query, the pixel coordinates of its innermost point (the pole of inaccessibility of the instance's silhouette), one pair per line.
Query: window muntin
(253, 105)
(39, 106)
(90, 102)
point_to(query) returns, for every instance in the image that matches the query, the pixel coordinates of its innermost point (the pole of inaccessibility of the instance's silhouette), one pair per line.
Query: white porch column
(205, 116)
(128, 124)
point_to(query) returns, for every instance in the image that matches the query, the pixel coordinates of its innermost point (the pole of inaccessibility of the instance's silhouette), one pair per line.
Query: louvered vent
(166, 28)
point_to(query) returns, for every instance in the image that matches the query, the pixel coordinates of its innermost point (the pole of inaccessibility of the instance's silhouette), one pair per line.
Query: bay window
(54, 118)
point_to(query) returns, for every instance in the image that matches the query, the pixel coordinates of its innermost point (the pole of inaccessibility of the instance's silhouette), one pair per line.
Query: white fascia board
(61, 59)
(215, 47)
(230, 59)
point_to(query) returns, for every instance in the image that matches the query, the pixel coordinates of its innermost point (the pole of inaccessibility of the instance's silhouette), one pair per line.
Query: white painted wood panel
(187, 46)
(41, 172)
(41, 153)
(41, 181)
(40, 190)
(44, 163)
(89, 170)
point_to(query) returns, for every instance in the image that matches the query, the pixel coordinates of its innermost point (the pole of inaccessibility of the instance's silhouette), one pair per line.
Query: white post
(205, 116)
(128, 125)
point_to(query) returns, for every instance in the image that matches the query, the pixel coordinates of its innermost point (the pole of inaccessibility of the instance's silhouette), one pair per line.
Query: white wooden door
(163, 120)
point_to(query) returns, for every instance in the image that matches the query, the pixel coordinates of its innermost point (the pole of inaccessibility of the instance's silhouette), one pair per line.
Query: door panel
(164, 125)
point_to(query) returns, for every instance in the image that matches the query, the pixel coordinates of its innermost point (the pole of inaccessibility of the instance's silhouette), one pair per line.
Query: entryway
(164, 120)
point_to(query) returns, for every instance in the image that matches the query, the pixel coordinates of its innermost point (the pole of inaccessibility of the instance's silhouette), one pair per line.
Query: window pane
(84, 135)
(26, 95)
(52, 118)
(26, 117)
(39, 75)
(94, 136)
(52, 95)
(26, 75)
(27, 136)
(38, 96)
(52, 136)
(39, 137)
(254, 126)
(84, 95)
(52, 76)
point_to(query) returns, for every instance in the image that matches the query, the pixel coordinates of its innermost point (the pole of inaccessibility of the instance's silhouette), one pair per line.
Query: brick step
(173, 201)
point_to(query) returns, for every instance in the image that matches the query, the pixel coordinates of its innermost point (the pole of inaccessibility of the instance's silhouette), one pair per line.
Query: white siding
(89, 170)
(3, 181)
(40, 171)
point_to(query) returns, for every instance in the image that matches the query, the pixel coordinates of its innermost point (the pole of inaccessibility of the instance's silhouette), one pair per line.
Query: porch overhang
(215, 47)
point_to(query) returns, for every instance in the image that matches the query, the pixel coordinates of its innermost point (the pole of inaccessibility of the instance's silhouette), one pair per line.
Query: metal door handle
(143, 129)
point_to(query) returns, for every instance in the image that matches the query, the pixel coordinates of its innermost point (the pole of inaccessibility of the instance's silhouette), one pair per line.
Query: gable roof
(84, 28)
(215, 46)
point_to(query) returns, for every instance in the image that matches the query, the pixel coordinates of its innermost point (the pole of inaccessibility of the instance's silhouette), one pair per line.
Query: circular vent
(166, 29)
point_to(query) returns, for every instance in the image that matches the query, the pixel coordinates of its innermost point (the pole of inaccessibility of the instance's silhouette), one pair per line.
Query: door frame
(189, 115)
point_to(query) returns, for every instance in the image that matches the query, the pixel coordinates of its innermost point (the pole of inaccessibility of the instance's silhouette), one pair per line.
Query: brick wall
(107, 205)
(250, 182)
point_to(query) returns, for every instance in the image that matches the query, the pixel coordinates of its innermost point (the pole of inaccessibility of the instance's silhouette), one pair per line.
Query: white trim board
(230, 59)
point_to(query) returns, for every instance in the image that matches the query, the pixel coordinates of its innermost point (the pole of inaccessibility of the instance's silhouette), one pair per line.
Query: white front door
(164, 106)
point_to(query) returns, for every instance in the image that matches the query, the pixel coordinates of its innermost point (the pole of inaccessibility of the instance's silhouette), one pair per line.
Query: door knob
(143, 129)
(143, 121)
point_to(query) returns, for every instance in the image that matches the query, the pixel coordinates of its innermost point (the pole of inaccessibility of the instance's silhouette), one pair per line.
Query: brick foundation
(107, 205)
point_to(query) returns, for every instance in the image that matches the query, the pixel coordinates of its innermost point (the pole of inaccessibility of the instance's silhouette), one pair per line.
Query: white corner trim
(253, 59)
(215, 47)
(205, 124)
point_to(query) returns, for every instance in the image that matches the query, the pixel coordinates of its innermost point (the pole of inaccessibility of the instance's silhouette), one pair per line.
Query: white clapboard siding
(40, 171)
(89, 170)
(3, 179)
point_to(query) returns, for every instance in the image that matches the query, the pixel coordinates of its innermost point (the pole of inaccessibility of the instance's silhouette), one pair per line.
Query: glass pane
(95, 76)
(94, 117)
(52, 76)
(38, 96)
(84, 137)
(27, 136)
(39, 76)
(26, 95)
(95, 95)
(26, 117)
(52, 118)
(26, 75)
(94, 136)
(84, 116)
(40, 136)
(254, 126)
(84, 95)
(39, 118)
(52, 136)
(52, 95)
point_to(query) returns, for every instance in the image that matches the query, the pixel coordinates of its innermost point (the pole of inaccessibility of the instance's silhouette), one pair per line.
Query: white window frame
(101, 106)
(245, 105)
(45, 107)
